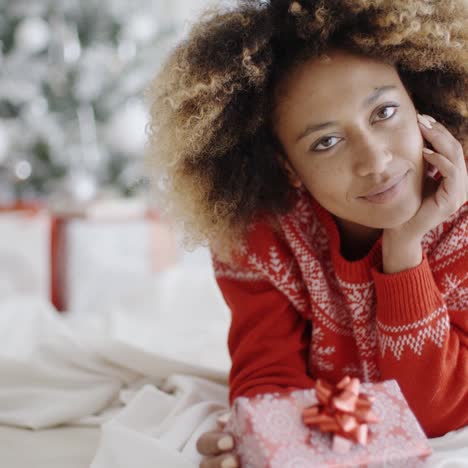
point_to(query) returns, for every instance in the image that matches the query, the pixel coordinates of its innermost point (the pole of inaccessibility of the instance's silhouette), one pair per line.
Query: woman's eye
(325, 142)
(387, 112)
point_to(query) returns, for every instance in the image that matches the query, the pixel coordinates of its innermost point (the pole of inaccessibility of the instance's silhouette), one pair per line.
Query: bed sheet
(124, 384)
(60, 447)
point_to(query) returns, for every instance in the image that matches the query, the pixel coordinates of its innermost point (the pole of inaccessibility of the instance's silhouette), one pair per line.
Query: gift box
(270, 432)
(104, 247)
(74, 255)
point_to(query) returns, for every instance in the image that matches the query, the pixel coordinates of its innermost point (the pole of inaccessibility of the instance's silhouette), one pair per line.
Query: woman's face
(348, 125)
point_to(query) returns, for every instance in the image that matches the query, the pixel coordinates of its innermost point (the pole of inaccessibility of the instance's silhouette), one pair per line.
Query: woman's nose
(372, 156)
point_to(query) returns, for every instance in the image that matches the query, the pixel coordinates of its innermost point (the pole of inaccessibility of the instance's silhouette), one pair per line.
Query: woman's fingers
(442, 163)
(218, 446)
(215, 443)
(449, 157)
(223, 419)
(441, 139)
(221, 461)
(451, 193)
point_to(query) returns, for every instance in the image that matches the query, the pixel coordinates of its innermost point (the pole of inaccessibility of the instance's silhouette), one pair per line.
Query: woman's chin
(399, 215)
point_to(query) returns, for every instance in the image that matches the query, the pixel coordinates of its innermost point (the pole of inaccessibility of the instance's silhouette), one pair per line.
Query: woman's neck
(356, 240)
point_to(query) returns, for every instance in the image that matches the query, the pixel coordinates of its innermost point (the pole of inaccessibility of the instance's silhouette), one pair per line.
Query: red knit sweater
(300, 311)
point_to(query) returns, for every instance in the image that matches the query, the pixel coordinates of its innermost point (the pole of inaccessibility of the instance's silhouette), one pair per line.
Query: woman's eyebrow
(368, 101)
(377, 93)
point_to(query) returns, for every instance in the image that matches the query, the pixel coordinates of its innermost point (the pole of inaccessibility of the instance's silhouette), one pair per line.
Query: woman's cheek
(326, 180)
(410, 141)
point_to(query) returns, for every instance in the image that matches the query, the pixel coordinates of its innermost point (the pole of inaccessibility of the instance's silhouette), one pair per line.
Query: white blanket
(148, 368)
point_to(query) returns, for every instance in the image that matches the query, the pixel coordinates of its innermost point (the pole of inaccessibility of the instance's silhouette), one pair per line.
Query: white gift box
(104, 248)
(76, 257)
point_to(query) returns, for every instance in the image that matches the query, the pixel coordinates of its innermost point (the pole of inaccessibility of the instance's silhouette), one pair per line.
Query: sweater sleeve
(423, 340)
(268, 339)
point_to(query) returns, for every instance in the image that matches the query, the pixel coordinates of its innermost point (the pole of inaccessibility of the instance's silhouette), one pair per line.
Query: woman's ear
(294, 179)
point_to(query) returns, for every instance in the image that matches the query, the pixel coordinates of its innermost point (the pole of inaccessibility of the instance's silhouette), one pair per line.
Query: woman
(301, 141)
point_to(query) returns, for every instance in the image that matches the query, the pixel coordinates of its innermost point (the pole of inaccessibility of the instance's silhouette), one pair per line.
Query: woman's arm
(268, 339)
(423, 323)
(423, 340)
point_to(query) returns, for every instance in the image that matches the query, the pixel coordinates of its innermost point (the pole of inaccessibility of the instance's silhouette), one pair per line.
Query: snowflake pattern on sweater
(364, 323)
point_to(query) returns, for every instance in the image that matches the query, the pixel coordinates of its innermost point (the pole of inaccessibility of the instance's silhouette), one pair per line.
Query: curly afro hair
(211, 147)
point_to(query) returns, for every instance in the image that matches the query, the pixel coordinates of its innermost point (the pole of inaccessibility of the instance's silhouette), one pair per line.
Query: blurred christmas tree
(72, 73)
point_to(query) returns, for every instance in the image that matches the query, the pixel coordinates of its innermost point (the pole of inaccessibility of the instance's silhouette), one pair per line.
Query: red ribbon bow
(343, 411)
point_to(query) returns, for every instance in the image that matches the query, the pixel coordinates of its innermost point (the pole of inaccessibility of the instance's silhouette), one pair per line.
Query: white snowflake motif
(454, 293)
(284, 276)
(321, 445)
(394, 451)
(306, 224)
(317, 272)
(452, 240)
(223, 270)
(319, 290)
(251, 452)
(370, 371)
(320, 355)
(431, 239)
(389, 414)
(395, 417)
(319, 280)
(278, 420)
(302, 211)
(293, 456)
(366, 339)
(360, 300)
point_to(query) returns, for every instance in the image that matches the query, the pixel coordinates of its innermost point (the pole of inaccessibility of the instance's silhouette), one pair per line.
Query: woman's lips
(390, 193)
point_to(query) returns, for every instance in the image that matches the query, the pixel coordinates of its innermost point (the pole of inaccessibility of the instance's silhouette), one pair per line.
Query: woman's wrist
(400, 253)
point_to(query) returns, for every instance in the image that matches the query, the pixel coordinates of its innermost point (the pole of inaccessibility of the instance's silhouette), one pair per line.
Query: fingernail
(229, 462)
(428, 117)
(225, 443)
(423, 121)
(224, 418)
(427, 151)
(432, 171)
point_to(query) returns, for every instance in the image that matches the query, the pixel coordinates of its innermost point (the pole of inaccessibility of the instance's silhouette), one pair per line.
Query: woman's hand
(218, 447)
(449, 193)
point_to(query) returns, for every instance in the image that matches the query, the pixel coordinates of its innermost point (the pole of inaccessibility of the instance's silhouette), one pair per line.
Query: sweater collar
(346, 269)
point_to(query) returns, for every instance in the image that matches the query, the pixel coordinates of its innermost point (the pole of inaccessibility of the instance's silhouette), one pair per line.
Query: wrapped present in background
(270, 432)
(105, 246)
(24, 249)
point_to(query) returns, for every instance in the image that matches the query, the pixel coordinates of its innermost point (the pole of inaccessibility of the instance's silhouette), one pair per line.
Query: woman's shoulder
(264, 259)
(266, 236)
(260, 239)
